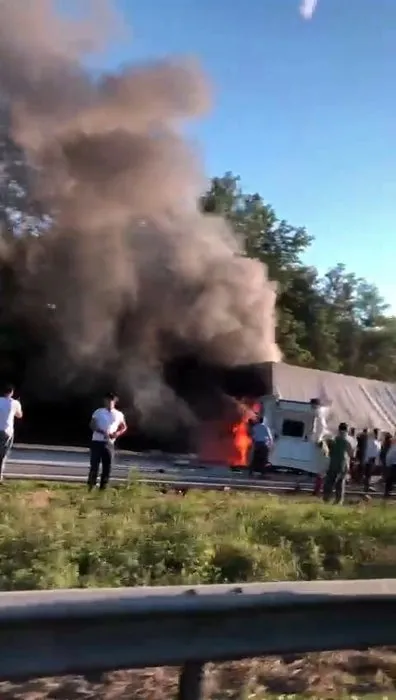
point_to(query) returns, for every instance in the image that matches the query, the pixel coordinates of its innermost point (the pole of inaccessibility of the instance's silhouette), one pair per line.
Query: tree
(302, 298)
(378, 351)
(264, 236)
(20, 212)
(337, 322)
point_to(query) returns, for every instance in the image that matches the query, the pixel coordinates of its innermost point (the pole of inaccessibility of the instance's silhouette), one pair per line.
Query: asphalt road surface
(70, 464)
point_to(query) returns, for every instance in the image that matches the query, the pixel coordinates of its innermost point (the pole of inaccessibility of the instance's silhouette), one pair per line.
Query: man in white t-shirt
(10, 409)
(107, 424)
(371, 458)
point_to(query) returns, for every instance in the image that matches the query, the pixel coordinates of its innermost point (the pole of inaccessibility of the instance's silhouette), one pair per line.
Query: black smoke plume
(131, 279)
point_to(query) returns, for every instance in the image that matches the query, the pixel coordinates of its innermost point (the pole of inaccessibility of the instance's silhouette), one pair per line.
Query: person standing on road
(385, 447)
(262, 443)
(10, 409)
(354, 442)
(107, 424)
(361, 449)
(340, 454)
(390, 468)
(371, 459)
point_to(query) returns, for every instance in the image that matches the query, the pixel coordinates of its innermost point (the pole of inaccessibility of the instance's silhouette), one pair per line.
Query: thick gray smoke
(133, 270)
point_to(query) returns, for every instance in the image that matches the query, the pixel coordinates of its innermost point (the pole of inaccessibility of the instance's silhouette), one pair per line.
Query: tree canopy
(337, 322)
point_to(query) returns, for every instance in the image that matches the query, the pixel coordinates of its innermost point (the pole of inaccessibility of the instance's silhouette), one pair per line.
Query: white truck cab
(297, 427)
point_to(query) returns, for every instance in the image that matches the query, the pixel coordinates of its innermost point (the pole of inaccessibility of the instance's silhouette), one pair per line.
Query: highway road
(70, 464)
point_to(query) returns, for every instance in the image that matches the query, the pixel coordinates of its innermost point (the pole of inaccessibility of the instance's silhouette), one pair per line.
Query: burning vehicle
(227, 440)
(303, 408)
(294, 425)
(226, 401)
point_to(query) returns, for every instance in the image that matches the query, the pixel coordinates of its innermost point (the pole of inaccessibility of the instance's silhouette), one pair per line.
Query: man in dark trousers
(107, 424)
(340, 455)
(262, 443)
(385, 447)
(361, 449)
(390, 468)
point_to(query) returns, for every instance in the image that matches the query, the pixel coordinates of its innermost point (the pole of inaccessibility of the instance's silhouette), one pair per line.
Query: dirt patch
(40, 498)
(329, 675)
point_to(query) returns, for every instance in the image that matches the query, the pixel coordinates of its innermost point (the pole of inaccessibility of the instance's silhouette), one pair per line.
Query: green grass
(61, 536)
(55, 536)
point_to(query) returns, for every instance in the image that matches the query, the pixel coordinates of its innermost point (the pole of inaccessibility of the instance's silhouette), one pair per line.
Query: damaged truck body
(302, 407)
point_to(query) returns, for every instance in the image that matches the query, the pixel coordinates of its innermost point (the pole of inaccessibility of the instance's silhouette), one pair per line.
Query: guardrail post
(190, 681)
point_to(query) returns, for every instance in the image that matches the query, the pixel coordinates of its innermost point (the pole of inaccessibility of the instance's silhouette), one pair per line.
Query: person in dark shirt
(385, 447)
(390, 468)
(340, 455)
(361, 450)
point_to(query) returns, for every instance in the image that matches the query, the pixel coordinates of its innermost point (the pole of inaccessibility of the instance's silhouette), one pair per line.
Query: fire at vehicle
(302, 407)
(226, 440)
(225, 401)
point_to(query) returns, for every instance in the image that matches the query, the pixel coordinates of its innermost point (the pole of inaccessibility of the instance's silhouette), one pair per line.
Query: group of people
(350, 456)
(107, 424)
(358, 457)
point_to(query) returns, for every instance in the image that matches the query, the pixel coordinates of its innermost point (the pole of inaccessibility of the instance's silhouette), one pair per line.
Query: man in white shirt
(262, 443)
(107, 424)
(10, 409)
(371, 458)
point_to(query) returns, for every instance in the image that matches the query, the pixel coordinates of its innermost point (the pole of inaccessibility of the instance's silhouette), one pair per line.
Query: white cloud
(307, 8)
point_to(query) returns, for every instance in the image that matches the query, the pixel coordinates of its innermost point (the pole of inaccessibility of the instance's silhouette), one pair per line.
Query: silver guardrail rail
(49, 633)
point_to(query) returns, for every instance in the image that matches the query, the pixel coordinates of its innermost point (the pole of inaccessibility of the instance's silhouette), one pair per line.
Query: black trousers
(390, 480)
(5, 448)
(259, 458)
(102, 454)
(367, 474)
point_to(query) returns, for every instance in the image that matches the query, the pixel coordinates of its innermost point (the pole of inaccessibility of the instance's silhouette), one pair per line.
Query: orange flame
(227, 440)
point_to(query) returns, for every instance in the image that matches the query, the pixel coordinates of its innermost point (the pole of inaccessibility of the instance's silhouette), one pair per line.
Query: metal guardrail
(51, 633)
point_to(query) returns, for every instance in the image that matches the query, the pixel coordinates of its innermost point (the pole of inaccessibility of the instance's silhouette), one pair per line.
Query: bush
(53, 537)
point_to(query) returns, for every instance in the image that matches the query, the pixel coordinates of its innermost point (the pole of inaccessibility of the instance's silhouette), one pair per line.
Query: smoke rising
(307, 8)
(134, 273)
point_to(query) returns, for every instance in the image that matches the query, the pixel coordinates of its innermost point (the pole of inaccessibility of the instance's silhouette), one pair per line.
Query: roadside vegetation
(61, 536)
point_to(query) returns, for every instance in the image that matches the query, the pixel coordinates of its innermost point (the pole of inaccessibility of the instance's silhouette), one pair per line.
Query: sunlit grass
(62, 536)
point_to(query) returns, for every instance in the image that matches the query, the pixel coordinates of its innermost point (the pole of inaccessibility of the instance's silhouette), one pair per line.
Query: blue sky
(304, 112)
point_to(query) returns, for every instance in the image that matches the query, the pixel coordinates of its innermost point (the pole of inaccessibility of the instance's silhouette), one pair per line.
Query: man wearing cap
(340, 455)
(107, 424)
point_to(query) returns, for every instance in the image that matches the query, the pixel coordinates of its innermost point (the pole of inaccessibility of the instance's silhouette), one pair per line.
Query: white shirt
(261, 432)
(106, 420)
(319, 429)
(9, 409)
(373, 448)
(353, 442)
